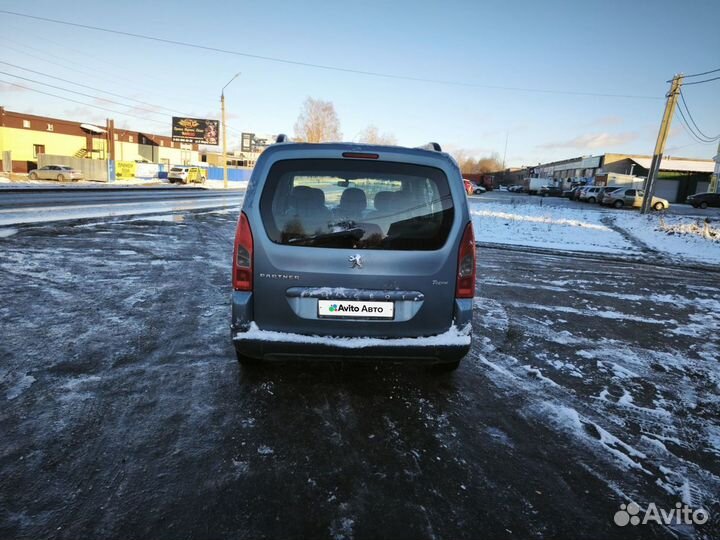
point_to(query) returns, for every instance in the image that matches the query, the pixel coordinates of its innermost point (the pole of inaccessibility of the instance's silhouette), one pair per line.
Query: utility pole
(716, 175)
(670, 104)
(224, 136)
(224, 130)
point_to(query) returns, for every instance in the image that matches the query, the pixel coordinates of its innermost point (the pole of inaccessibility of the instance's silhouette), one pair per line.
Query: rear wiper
(354, 233)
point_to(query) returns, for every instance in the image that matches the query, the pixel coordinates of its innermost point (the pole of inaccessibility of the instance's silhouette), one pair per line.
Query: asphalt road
(81, 196)
(124, 414)
(72, 203)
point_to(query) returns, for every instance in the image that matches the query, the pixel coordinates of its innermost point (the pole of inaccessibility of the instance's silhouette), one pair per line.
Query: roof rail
(432, 146)
(282, 138)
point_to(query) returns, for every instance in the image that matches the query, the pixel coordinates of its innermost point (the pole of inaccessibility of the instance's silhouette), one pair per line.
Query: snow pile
(675, 236)
(546, 226)
(452, 337)
(597, 230)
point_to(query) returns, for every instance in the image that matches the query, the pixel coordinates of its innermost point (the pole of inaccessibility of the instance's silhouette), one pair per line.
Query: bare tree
(371, 135)
(318, 122)
(471, 165)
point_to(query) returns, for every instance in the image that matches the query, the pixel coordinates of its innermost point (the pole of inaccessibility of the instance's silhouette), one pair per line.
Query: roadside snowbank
(546, 226)
(579, 229)
(678, 237)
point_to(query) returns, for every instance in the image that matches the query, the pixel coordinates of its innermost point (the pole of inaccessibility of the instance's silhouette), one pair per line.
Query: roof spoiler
(432, 146)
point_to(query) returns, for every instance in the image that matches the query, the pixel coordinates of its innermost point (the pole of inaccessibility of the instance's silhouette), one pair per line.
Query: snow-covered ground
(596, 230)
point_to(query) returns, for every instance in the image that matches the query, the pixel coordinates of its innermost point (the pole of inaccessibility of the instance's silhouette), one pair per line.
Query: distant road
(34, 205)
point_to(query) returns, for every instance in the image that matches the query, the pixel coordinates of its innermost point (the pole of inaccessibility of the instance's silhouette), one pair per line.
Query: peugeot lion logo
(355, 261)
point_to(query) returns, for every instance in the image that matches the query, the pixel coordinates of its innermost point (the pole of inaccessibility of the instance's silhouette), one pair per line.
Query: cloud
(611, 120)
(592, 141)
(7, 87)
(84, 114)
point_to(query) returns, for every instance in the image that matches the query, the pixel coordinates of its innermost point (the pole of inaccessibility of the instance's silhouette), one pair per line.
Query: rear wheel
(246, 360)
(703, 205)
(591, 200)
(658, 206)
(33, 176)
(546, 194)
(202, 179)
(618, 204)
(446, 367)
(60, 178)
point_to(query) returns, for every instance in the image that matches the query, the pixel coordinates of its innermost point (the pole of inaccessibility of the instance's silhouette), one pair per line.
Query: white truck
(617, 179)
(533, 185)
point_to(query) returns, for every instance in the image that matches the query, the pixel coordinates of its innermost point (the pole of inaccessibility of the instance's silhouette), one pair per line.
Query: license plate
(356, 309)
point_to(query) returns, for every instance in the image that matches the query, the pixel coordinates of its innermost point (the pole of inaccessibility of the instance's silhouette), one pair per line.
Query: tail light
(243, 256)
(466, 265)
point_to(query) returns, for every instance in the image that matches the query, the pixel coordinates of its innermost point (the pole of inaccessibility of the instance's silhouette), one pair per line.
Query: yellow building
(24, 136)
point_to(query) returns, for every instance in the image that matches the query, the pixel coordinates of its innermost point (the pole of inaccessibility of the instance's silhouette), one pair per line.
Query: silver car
(353, 251)
(633, 198)
(55, 172)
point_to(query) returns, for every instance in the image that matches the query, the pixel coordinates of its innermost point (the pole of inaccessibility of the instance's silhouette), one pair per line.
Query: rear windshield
(176, 169)
(343, 203)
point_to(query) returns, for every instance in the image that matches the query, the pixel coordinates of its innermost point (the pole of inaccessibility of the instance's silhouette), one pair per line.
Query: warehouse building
(677, 178)
(24, 136)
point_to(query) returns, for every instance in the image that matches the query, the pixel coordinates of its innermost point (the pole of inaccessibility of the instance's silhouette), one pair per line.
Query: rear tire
(446, 367)
(33, 176)
(246, 361)
(60, 178)
(618, 204)
(658, 206)
(591, 200)
(202, 179)
(703, 205)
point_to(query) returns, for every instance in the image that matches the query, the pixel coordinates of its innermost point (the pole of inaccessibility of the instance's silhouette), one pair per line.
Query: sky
(511, 70)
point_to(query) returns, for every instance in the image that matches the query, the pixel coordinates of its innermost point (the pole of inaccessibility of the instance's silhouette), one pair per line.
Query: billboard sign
(247, 142)
(195, 130)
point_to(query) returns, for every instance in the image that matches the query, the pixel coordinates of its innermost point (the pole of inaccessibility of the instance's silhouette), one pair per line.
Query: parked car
(703, 200)
(550, 191)
(579, 193)
(55, 172)
(468, 186)
(632, 198)
(516, 188)
(605, 190)
(475, 189)
(389, 259)
(590, 194)
(187, 175)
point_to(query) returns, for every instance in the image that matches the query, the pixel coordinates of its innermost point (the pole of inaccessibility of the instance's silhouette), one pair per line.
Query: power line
(688, 129)
(92, 88)
(82, 102)
(703, 73)
(97, 97)
(700, 82)
(687, 109)
(323, 66)
(78, 93)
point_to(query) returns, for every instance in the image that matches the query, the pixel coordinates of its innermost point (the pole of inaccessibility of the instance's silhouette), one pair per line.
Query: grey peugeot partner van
(355, 252)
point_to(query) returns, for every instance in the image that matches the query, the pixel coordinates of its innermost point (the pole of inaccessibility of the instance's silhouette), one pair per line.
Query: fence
(234, 175)
(92, 169)
(97, 169)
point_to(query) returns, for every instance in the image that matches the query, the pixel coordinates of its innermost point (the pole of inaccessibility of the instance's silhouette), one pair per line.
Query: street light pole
(224, 131)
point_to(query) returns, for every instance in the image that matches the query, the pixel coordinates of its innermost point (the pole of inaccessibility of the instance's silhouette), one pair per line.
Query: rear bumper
(254, 342)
